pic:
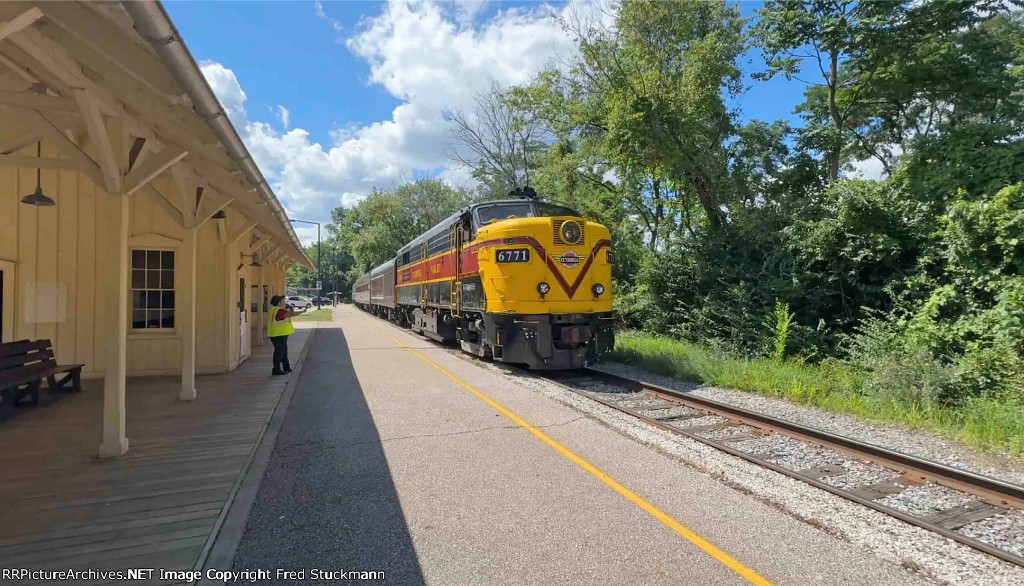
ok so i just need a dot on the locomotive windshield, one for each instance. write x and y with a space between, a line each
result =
487 214
548 210
503 211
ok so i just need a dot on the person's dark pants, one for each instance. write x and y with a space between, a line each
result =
280 353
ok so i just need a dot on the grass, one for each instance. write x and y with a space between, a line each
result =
984 423
324 314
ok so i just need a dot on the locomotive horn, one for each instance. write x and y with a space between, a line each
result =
523 192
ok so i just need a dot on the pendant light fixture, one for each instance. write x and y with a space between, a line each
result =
37 198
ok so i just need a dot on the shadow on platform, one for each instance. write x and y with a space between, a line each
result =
327 500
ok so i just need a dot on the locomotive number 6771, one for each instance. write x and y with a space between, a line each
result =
518 280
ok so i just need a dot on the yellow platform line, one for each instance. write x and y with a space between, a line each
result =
705 545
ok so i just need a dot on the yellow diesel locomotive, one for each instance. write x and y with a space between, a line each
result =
518 280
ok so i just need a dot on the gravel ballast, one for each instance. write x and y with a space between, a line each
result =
933 557
859 474
895 438
1005 531
670 412
925 499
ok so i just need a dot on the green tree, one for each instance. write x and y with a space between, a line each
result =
891 73
387 220
646 96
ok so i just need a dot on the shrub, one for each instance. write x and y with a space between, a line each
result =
779 323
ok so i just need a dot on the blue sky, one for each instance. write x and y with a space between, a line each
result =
364 83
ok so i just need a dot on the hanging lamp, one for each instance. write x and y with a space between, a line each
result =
37 198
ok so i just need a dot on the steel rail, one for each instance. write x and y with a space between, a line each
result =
990 490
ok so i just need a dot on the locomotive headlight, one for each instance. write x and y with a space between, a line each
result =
571 232
598 290
543 288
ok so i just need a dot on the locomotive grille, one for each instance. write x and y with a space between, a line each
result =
556 226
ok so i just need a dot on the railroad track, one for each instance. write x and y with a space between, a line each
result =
726 428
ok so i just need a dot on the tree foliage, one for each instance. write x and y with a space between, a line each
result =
723 224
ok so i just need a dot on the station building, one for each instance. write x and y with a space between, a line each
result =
136 231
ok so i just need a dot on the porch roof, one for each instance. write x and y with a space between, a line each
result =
68 67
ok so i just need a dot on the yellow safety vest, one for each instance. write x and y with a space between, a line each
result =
279 328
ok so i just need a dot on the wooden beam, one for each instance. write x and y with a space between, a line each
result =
223 180
64 145
37 101
30 69
165 205
217 204
98 133
269 255
151 167
263 241
185 185
59 61
222 230
103 37
19 142
40 163
238 235
23 20
92 70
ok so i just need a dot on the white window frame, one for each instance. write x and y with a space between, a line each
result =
131 307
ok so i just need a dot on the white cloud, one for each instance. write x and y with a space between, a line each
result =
335 25
466 11
423 57
286 116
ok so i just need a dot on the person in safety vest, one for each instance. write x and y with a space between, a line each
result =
278 329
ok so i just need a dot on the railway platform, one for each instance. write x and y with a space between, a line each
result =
399 456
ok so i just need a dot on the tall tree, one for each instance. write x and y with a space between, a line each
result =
497 141
650 89
885 73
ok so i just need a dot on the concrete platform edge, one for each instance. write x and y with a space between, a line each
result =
220 548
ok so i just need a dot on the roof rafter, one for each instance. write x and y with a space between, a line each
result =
154 165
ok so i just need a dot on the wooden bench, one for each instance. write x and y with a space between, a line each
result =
25 363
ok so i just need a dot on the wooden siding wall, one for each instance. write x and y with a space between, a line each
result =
69 244
57 244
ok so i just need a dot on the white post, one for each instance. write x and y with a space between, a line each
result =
111 140
259 319
187 315
114 441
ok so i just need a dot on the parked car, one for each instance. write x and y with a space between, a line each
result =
298 302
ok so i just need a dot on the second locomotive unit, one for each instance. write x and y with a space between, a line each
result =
518 280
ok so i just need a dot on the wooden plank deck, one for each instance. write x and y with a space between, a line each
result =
62 507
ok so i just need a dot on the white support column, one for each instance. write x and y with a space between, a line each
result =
187 315
114 441
259 320
116 284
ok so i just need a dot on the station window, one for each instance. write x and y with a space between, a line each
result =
152 289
